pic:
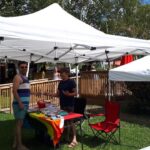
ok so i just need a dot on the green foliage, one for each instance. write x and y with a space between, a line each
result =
120 17
12 7
35 5
21 7
140 102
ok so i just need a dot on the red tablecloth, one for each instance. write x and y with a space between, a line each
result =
72 116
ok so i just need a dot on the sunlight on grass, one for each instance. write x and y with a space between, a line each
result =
133 137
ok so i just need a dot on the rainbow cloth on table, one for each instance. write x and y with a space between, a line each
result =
54 127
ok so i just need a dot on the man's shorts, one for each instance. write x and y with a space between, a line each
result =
19 113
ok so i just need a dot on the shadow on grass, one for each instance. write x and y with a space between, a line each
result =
98 143
141 119
34 144
6 137
6 134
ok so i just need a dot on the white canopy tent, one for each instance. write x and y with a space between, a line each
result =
54 35
138 70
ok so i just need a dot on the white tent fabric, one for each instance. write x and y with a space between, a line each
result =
41 51
54 35
55 25
138 70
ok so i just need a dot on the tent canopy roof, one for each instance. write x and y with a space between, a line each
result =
54 35
138 70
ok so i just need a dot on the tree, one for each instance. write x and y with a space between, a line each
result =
143 22
12 7
35 5
21 7
120 17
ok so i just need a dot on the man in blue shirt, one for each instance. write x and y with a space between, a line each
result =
66 92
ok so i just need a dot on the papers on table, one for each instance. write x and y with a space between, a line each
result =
34 109
50 110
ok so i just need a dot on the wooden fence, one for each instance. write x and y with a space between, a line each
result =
6 97
41 85
92 85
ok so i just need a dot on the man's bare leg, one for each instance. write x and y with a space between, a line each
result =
14 142
18 136
74 134
74 138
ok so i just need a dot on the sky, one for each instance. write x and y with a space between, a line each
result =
146 1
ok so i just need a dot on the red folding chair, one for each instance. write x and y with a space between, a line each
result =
111 123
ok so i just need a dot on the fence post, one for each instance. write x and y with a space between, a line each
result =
11 98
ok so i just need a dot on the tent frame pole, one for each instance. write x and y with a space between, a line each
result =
77 77
108 81
28 68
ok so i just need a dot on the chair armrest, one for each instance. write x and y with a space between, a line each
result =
117 122
90 116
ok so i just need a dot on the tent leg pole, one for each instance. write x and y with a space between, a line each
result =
28 69
109 90
77 80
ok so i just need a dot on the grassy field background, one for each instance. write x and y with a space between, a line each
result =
133 137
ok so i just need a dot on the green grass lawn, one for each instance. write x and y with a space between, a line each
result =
4 102
133 137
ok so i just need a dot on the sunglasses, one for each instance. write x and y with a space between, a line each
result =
23 67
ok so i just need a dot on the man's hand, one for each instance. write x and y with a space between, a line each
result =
49 94
21 105
66 93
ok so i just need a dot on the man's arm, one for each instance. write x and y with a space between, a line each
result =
67 93
50 94
16 83
54 94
